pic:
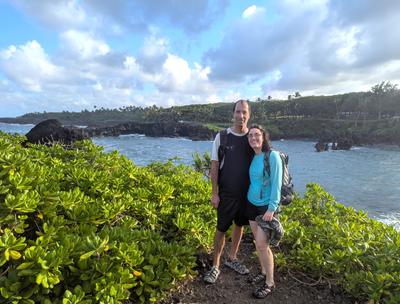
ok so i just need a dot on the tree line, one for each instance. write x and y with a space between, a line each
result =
382 101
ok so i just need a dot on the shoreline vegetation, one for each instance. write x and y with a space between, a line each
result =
80 225
360 118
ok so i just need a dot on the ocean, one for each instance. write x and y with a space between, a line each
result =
365 178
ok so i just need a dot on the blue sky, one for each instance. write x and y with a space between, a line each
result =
70 55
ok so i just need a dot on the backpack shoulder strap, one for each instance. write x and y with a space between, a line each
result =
223 142
223 137
267 165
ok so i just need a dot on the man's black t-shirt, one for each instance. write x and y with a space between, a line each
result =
233 179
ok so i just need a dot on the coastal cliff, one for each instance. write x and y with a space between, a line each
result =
192 131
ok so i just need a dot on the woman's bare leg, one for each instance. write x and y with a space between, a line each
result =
254 229
266 256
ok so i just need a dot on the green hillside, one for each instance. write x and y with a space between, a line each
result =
364 117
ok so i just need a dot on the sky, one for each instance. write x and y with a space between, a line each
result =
71 55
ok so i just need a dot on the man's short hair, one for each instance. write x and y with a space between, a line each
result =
241 101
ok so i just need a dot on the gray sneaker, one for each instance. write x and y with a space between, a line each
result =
212 275
236 266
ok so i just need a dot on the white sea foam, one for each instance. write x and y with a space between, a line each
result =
16 124
132 135
391 219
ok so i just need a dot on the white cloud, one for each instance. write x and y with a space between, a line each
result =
59 14
191 16
177 76
83 45
98 87
153 54
349 12
347 42
88 72
255 44
310 46
176 72
129 63
119 16
317 46
29 66
249 11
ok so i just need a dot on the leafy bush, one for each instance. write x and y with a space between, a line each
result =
326 239
202 163
83 226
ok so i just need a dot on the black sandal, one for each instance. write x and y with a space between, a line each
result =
263 291
256 278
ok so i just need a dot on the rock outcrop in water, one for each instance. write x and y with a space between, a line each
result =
51 131
342 144
321 146
338 144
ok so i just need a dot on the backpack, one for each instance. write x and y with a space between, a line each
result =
223 142
287 185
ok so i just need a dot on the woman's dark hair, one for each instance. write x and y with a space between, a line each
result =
266 145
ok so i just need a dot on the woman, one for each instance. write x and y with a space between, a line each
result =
263 196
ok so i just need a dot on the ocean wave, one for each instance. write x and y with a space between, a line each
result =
391 219
132 135
16 124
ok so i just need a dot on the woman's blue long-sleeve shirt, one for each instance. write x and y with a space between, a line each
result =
265 190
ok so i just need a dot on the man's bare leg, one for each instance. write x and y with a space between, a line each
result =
219 243
232 261
237 233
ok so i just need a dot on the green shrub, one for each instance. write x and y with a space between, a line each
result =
83 226
326 239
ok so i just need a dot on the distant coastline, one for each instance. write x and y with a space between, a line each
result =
193 131
320 118
301 129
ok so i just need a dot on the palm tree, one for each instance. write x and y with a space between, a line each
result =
380 92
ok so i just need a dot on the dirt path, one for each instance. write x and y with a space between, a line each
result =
232 288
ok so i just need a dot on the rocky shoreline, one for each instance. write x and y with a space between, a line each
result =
52 130
343 135
192 131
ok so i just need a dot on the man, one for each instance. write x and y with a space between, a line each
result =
230 182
